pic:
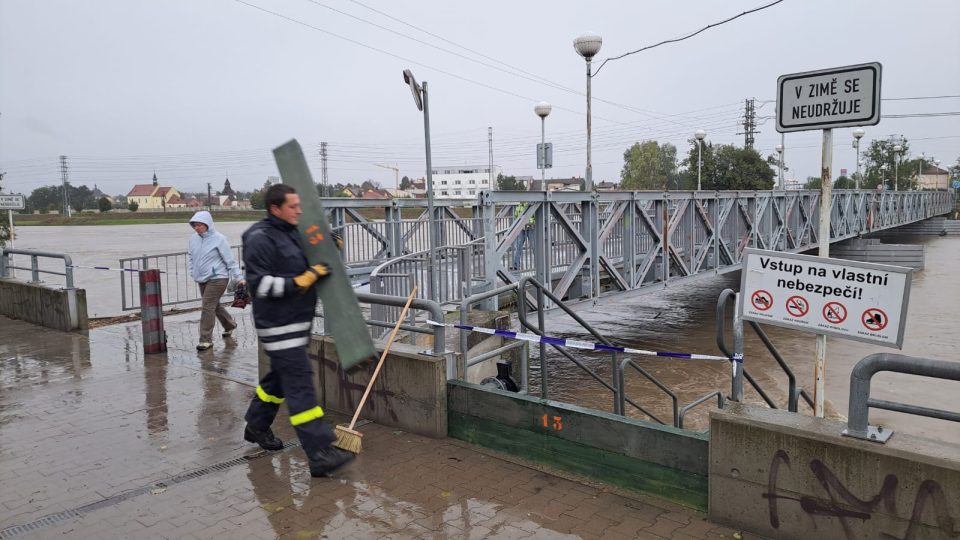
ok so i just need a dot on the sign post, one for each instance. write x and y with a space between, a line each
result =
11 203
825 99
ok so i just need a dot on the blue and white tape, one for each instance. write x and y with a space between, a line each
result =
585 345
135 270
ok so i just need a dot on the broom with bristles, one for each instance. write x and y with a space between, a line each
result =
347 438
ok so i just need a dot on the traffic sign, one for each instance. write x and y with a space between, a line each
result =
829 98
11 202
821 292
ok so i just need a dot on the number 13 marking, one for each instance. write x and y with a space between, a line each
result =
557 423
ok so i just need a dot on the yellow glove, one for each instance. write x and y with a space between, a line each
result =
306 280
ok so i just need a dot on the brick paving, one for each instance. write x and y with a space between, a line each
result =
98 439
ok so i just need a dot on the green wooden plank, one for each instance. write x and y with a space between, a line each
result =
682 487
348 327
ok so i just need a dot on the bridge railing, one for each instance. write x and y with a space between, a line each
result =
861 402
8 265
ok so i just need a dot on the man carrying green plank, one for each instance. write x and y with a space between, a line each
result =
284 300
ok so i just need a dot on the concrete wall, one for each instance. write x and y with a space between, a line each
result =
410 393
933 226
784 475
45 306
663 461
871 250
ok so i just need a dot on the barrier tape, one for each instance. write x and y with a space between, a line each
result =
135 270
586 345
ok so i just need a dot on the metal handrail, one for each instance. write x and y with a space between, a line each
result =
539 330
795 392
673 396
465 363
861 402
716 393
433 308
34 268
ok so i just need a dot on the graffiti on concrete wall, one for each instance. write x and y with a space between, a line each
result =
350 391
841 503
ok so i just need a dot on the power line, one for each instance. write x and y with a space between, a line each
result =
688 36
920 97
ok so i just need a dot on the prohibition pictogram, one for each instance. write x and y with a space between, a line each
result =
797 306
835 312
762 300
874 319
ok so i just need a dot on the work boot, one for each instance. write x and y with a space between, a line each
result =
328 460
266 439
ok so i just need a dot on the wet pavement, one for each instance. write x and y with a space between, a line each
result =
97 441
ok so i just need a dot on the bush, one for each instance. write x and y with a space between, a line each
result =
104 204
133 206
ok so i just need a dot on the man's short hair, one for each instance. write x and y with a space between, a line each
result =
276 195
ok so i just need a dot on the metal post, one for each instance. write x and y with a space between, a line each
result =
151 313
896 172
543 150
434 276
783 150
699 162
857 143
493 185
736 381
588 179
823 241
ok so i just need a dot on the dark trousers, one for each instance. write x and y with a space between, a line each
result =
291 380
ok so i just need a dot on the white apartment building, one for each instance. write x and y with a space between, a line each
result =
462 181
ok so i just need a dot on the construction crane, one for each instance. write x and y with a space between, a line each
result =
396 171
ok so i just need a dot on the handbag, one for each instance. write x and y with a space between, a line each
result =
240 296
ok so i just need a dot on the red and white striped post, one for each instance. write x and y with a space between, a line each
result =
151 313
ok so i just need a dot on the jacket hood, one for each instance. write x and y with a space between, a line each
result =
203 217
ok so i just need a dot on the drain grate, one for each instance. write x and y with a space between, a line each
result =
60 517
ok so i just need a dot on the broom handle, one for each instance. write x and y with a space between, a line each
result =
383 357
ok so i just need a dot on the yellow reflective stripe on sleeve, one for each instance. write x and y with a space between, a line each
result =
306 416
267 397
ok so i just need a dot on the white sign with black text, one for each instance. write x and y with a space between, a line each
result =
849 299
11 202
829 98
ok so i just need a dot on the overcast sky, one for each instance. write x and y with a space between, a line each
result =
201 89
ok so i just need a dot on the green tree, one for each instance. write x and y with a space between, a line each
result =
648 165
104 204
406 183
880 153
509 183
133 206
813 182
844 182
726 166
257 200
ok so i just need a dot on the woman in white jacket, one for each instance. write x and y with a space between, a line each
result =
211 266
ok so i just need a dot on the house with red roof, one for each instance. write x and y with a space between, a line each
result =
154 196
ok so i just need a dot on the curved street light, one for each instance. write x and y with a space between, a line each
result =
857 135
543 110
587 46
700 135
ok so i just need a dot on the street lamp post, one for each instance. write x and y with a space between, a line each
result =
779 149
857 135
420 98
920 169
936 163
897 152
883 172
700 135
543 110
587 46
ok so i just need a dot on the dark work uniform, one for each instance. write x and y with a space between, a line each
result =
283 315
